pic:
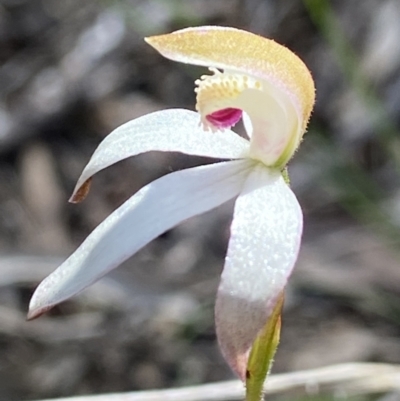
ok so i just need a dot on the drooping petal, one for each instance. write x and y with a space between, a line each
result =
265 239
261 77
173 130
153 210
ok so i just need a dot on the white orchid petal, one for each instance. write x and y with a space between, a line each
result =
265 239
173 130
153 210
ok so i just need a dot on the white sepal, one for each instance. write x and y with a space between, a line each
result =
153 210
172 130
263 248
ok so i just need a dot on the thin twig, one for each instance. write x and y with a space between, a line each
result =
340 380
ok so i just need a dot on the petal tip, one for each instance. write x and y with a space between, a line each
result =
34 313
81 192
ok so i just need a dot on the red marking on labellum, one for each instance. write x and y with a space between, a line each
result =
224 118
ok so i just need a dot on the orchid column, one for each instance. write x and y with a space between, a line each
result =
272 90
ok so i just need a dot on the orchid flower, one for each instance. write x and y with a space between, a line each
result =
272 90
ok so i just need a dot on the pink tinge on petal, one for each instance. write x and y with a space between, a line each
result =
238 322
225 118
263 248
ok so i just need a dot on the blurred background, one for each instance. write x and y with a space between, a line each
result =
70 72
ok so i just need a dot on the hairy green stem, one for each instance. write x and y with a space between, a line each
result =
262 354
